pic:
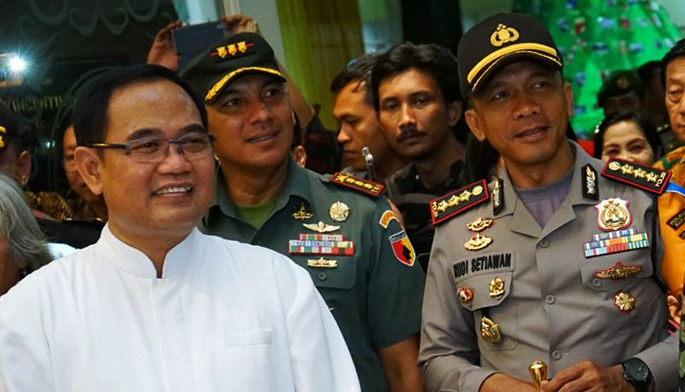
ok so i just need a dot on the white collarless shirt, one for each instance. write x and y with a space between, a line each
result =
225 317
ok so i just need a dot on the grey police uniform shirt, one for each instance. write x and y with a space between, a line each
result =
554 307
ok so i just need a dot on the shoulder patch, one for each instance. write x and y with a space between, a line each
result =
365 186
643 177
452 204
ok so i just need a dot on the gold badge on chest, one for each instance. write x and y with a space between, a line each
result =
625 302
490 331
339 211
478 242
496 288
613 214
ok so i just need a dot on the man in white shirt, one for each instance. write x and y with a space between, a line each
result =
155 305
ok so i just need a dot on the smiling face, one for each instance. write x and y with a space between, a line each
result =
523 112
253 122
675 96
358 126
165 199
625 140
414 116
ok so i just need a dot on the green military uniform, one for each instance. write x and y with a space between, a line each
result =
373 287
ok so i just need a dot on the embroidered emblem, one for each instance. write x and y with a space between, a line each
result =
677 220
590 184
386 218
465 296
498 196
452 204
618 272
322 263
352 182
643 177
624 302
503 35
478 242
231 50
490 331
615 242
613 214
339 211
496 288
321 227
402 248
303 212
479 224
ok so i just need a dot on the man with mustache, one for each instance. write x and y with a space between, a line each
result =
556 261
416 96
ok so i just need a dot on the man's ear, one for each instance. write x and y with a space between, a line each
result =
475 124
24 168
568 95
89 165
454 111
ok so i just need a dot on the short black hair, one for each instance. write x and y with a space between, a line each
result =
678 50
91 106
647 70
358 71
435 60
645 125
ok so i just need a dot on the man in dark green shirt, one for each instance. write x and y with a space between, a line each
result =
339 229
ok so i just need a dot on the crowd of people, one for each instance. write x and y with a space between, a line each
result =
463 241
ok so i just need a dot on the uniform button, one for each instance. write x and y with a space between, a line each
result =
544 243
322 276
596 282
556 355
550 299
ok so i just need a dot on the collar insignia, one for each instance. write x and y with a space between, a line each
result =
452 204
643 177
590 184
498 196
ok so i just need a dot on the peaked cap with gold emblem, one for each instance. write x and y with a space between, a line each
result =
499 41
211 71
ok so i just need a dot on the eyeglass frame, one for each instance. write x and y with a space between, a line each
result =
177 141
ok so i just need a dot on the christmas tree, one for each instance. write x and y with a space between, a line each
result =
596 37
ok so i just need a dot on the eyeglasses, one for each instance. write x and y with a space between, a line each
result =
155 149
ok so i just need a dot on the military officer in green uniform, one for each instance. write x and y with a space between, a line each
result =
556 261
339 228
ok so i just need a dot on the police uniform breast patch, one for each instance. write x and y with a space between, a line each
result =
452 204
369 187
643 177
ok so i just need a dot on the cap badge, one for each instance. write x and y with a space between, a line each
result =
503 35
2 142
622 83
223 51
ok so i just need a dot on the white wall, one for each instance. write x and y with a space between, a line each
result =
265 12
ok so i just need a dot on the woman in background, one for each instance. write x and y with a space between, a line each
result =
630 136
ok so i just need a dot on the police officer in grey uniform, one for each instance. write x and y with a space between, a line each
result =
552 262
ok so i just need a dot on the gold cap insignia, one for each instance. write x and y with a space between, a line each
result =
503 35
339 211
622 83
496 288
624 302
490 331
478 242
320 227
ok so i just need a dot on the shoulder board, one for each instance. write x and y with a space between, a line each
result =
643 177
364 186
452 204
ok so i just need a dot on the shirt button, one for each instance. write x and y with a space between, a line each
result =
550 299
556 355
322 276
544 243
596 282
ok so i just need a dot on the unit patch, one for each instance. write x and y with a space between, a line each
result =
402 248
451 204
643 177
490 262
498 196
677 220
369 187
386 218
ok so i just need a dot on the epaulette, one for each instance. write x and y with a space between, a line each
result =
365 186
452 204
643 177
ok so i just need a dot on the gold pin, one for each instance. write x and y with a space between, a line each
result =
320 227
624 302
496 288
479 224
618 272
339 211
322 263
303 213
478 242
490 331
613 214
